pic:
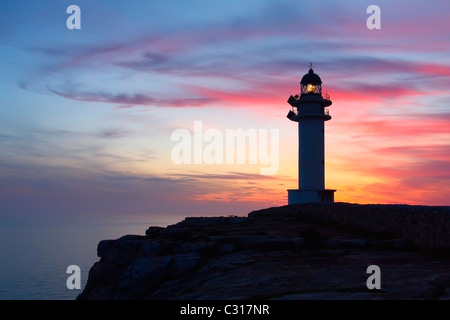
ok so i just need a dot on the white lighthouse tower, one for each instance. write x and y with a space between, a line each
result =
309 110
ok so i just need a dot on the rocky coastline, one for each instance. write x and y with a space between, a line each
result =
296 252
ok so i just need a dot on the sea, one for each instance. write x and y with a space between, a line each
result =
35 253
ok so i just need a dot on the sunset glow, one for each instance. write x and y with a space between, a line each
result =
86 116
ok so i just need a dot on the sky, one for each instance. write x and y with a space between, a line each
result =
87 116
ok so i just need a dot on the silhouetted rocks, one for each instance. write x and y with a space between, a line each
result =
310 251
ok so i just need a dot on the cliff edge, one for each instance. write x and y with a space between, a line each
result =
305 251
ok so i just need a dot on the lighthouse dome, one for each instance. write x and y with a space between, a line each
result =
311 78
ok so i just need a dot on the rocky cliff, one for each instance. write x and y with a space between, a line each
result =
308 251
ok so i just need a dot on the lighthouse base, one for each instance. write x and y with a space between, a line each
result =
305 196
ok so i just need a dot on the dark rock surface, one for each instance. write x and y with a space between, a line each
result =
313 251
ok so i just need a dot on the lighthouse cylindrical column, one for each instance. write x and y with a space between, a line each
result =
311 142
311 155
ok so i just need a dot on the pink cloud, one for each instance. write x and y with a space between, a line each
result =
401 127
414 174
437 152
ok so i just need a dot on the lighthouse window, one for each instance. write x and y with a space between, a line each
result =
310 88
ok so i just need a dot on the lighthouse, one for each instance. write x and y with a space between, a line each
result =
309 109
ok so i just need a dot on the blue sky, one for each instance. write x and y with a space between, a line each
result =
86 115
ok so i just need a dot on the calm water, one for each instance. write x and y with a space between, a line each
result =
35 254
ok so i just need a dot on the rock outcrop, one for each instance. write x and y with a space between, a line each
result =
309 251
